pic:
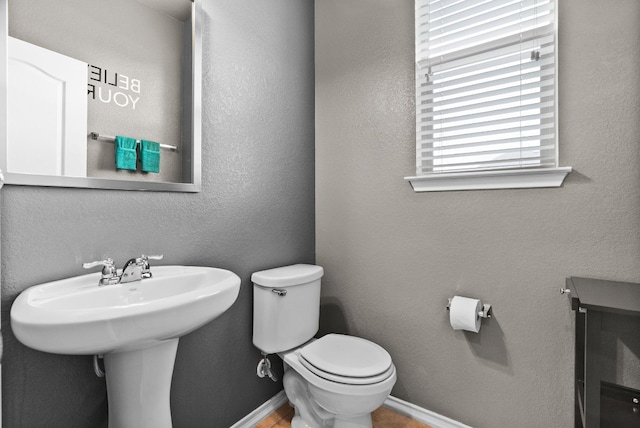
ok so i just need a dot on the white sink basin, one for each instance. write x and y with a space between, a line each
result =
76 316
135 325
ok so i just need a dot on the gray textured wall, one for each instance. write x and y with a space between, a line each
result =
392 257
255 211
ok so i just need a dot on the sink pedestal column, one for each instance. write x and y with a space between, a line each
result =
139 386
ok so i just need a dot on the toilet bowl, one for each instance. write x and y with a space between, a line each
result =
327 386
335 381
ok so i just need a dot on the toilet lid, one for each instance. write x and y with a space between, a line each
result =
338 355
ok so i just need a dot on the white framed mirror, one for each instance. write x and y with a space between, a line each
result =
82 72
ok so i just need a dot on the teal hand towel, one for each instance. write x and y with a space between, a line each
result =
150 156
126 155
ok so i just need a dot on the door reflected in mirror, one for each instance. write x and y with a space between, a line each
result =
83 72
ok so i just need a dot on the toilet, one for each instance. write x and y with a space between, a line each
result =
334 381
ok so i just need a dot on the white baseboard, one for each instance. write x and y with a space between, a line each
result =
268 407
425 416
412 411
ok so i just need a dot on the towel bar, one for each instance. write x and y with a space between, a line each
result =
111 138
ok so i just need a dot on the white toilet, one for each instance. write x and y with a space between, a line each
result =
335 381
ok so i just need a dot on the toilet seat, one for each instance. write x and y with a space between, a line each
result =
347 360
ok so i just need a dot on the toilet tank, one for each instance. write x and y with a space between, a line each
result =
286 306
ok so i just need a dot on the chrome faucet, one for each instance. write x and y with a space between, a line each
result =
134 269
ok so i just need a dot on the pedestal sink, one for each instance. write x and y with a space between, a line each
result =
136 326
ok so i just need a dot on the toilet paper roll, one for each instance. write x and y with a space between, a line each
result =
463 314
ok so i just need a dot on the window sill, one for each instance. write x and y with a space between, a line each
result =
485 180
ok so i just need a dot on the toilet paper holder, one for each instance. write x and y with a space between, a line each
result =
484 313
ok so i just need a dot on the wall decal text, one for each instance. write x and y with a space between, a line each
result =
113 87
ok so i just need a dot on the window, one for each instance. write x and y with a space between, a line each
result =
486 95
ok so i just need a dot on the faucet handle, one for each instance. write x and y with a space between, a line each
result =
108 264
109 271
146 269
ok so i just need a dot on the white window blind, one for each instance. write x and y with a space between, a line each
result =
485 85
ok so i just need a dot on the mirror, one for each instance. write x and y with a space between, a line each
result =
81 72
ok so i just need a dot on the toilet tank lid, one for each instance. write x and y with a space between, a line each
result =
287 276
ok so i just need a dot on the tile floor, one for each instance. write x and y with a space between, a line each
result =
382 418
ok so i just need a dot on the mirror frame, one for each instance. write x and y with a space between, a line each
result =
107 183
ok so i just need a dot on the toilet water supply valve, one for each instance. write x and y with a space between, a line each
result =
264 368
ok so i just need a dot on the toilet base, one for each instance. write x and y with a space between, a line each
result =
309 414
363 421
